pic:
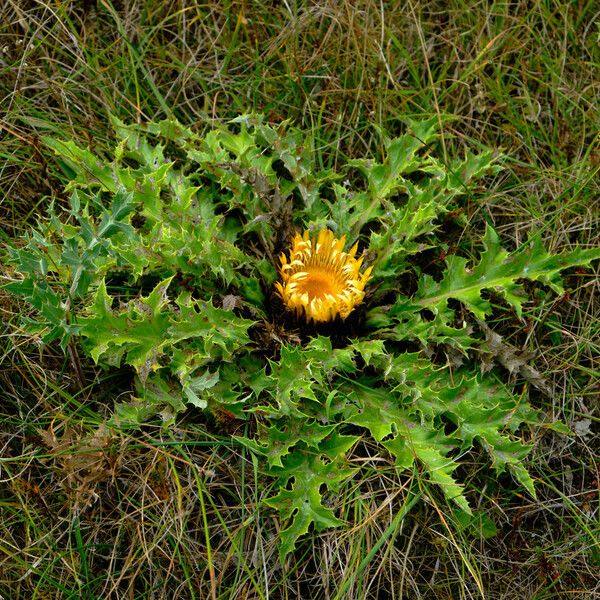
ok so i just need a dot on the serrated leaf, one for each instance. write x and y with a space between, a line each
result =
194 386
87 166
302 373
481 410
156 395
275 442
215 332
430 449
385 178
403 321
138 331
293 379
500 271
369 349
53 319
302 504
408 439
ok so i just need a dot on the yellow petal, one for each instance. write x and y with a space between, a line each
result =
320 281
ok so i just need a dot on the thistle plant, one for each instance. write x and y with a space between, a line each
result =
229 272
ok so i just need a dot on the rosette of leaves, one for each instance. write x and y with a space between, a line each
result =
165 259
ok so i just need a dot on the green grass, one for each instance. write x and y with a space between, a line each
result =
86 513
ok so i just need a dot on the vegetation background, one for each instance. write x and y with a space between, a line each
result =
89 513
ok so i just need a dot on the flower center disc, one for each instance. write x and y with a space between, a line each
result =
318 284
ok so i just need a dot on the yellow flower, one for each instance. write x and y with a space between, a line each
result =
320 280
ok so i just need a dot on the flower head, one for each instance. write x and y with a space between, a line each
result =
320 280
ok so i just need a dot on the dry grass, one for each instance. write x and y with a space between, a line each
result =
85 513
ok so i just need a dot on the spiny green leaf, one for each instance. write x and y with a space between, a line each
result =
302 504
385 178
369 349
193 386
293 379
302 372
157 394
275 443
461 172
408 439
482 410
214 332
403 321
138 331
53 319
430 449
89 168
500 271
